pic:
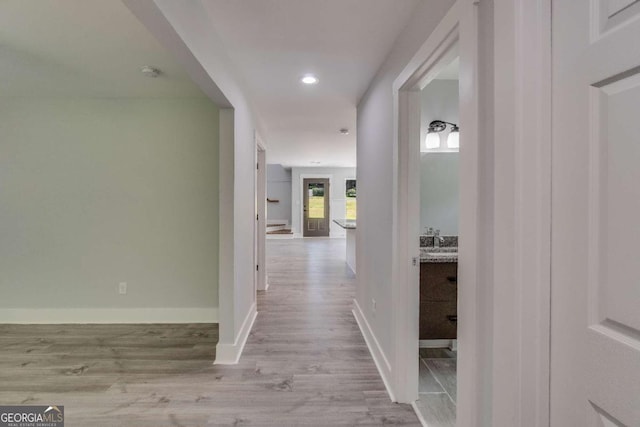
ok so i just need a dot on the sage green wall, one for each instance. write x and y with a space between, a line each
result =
94 192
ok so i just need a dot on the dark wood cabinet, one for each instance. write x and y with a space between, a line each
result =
438 300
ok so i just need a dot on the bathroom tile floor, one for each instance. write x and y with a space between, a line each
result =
437 387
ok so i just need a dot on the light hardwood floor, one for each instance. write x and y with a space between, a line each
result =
305 363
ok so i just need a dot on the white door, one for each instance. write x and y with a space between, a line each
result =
595 324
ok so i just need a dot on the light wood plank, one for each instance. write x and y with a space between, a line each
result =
305 362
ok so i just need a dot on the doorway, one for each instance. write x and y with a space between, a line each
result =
315 211
439 212
456 36
260 230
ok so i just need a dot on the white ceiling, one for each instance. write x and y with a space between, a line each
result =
273 43
82 48
95 48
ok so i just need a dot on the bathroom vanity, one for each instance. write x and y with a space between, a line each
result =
438 292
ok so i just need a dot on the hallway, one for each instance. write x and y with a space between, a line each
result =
305 362
307 340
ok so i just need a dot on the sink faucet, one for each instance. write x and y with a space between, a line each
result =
437 239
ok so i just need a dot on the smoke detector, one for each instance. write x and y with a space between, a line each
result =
148 71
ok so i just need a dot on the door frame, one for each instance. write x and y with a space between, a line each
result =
260 251
444 44
450 39
327 208
504 266
300 191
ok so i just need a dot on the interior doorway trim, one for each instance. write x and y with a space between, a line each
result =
261 279
504 252
456 35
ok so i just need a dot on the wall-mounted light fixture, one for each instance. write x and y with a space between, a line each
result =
432 141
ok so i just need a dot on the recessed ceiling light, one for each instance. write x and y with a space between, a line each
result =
344 131
315 163
309 79
148 71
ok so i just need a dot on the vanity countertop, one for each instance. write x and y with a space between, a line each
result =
438 255
347 224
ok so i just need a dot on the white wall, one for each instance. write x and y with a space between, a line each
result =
100 191
337 195
279 188
439 192
375 177
439 185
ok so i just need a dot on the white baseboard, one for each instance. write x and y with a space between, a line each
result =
419 415
451 344
266 283
108 315
383 365
229 354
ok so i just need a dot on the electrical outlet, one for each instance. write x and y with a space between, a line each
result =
373 305
122 288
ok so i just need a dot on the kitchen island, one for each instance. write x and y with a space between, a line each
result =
350 228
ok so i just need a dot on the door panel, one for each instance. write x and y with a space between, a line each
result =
617 199
609 14
316 220
595 324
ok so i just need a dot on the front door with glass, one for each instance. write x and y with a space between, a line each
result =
316 207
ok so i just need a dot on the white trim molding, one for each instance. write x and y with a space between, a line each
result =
381 361
504 268
522 213
229 354
260 232
278 237
451 344
505 198
108 315
455 35
423 422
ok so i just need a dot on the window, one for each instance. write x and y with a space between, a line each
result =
351 199
316 201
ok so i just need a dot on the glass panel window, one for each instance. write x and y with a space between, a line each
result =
351 199
316 201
